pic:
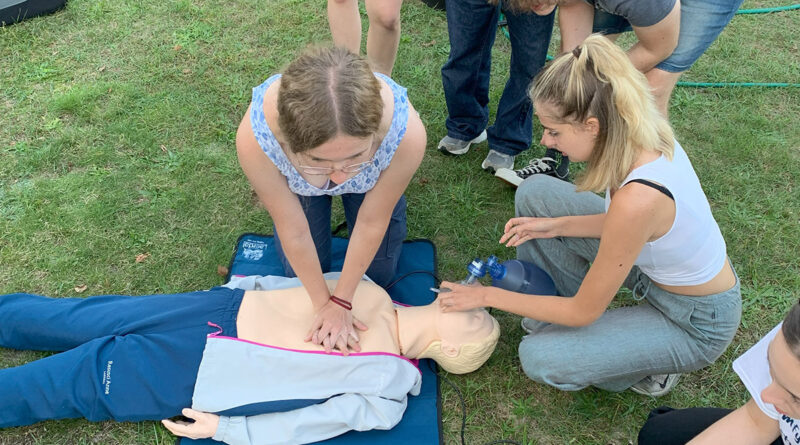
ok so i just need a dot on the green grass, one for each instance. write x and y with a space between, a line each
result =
117 122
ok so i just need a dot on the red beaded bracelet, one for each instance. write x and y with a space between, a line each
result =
343 303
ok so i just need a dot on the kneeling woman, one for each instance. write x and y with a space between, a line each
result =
237 354
329 126
654 234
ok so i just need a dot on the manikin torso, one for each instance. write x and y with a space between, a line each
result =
283 317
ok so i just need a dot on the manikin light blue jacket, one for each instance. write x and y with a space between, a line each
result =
271 395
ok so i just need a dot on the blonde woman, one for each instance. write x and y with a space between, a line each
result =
654 233
329 126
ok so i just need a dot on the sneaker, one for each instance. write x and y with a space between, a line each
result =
455 146
656 385
545 165
530 325
496 160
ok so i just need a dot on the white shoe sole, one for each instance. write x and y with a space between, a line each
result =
478 139
508 175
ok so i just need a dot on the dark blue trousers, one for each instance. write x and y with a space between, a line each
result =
318 213
123 358
471 27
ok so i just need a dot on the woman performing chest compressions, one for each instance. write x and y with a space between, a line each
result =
329 126
654 233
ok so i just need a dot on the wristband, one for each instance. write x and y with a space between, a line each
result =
343 303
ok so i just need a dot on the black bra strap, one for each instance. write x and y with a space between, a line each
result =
652 184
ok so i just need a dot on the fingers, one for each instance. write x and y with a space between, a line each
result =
352 342
326 343
341 345
179 429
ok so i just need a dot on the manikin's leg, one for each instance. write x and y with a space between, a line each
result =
149 374
383 35
345 24
32 322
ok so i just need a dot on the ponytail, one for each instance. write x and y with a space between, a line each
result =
598 80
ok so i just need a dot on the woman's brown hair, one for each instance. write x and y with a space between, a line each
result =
791 329
325 92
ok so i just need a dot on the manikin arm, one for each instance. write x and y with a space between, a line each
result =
336 416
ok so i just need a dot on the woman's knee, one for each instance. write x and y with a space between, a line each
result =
532 194
542 362
385 16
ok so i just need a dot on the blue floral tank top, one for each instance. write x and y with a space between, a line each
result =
360 183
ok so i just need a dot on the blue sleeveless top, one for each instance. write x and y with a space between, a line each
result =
360 183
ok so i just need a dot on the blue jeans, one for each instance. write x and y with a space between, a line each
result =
124 358
471 27
318 213
702 21
663 333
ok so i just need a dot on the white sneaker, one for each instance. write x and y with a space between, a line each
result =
656 385
455 146
496 160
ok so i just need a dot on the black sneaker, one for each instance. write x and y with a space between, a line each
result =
546 166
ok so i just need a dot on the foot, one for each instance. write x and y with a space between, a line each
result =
546 166
656 385
453 146
496 160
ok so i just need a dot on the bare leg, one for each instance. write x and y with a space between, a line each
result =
383 35
345 23
663 82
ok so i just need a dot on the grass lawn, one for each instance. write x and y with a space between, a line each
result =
117 122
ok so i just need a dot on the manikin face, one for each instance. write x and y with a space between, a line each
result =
784 368
458 328
339 156
575 140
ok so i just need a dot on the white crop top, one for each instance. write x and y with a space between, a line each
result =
693 251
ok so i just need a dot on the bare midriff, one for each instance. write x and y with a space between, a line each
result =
283 318
723 281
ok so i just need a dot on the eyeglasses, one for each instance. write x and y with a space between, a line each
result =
353 168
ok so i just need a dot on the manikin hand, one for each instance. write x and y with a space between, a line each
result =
461 297
203 427
519 230
334 327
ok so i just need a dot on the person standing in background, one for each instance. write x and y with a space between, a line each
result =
471 27
383 35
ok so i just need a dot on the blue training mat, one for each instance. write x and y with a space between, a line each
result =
422 421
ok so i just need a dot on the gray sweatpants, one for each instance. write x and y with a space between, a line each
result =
665 333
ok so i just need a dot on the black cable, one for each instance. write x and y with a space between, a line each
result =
464 410
388 286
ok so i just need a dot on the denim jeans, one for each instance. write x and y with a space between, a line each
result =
124 358
318 213
471 27
663 333
702 21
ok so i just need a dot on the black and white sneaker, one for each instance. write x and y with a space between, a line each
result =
546 166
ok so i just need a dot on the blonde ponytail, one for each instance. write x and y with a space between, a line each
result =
598 80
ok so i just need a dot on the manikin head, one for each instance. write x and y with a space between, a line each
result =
460 342
783 356
329 110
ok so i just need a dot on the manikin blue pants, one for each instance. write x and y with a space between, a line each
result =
124 358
